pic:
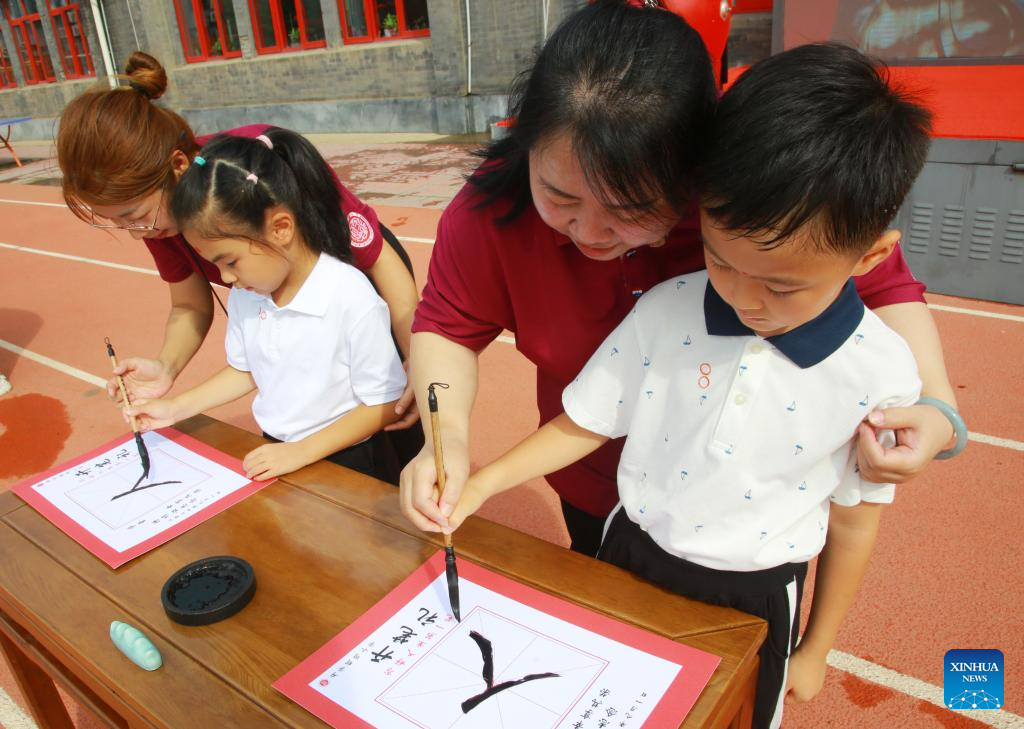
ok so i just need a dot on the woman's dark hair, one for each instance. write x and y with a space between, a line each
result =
221 199
814 135
631 87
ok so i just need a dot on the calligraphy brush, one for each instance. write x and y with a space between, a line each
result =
449 551
143 452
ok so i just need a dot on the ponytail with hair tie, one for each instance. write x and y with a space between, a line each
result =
227 195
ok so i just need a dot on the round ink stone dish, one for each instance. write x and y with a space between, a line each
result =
209 590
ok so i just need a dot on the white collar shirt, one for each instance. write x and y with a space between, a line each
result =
328 351
736 444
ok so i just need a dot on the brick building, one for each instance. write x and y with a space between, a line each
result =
311 65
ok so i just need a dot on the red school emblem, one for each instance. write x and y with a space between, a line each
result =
360 230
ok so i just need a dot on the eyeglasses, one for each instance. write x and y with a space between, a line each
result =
95 220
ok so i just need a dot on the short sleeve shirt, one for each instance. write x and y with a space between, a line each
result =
176 260
736 444
525 277
326 352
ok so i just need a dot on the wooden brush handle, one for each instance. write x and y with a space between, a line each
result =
124 393
435 427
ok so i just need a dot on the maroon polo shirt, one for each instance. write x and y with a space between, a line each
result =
529 279
176 259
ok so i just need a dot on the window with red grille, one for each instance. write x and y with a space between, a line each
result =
208 29
29 44
6 72
363 21
287 25
71 43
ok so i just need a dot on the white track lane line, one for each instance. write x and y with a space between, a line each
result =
918 689
30 202
1015 445
11 715
53 364
80 259
976 312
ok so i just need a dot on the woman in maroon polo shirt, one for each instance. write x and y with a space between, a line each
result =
579 211
121 156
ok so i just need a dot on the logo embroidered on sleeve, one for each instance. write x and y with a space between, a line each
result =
360 230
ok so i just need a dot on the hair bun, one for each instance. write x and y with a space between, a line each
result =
145 74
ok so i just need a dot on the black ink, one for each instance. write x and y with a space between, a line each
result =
488 674
136 488
384 654
407 633
425 617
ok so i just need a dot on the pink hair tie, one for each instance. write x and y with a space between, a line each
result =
266 140
251 177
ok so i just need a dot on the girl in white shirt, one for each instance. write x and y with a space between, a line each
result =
305 328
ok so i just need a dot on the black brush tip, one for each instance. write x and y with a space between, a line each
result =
452 576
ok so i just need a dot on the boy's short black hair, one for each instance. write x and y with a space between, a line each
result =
813 135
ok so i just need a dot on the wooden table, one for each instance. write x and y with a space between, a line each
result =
325 544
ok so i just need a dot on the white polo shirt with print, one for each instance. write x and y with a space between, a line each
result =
325 353
735 443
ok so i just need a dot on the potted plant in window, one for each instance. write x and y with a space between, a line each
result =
389 25
293 36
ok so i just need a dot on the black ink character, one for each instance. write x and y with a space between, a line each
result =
136 488
425 617
488 673
407 633
384 654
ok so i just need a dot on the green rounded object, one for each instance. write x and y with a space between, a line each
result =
139 649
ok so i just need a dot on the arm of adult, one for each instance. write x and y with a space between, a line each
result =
277 459
922 431
187 326
397 287
891 290
852 531
227 385
437 359
559 443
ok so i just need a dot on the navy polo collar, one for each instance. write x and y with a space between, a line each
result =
809 343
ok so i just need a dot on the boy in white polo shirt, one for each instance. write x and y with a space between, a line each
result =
740 389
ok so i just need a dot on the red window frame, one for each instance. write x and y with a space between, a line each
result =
374 32
7 80
280 44
60 20
30 44
205 46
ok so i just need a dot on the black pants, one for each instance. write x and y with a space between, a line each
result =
375 457
584 529
765 594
